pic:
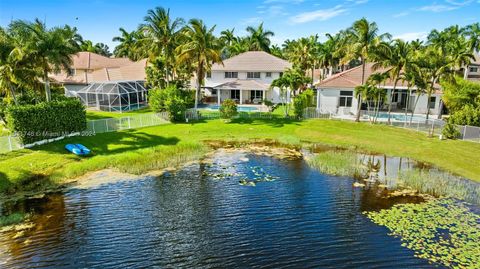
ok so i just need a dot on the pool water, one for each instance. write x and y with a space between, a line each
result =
400 117
201 217
239 108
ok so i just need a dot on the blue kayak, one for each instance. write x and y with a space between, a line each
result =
77 149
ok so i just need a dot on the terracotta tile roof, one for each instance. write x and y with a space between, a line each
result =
352 78
253 61
92 67
243 84
89 60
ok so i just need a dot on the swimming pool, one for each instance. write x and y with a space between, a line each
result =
400 117
239 108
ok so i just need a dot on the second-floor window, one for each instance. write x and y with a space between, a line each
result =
268 74
473 69
253 74
231 74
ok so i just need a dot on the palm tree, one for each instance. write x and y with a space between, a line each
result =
296 80
303 53
103 49
283 84
259 39
378 92
128 47
363 37
51 49
473 32
201 49
394 58
161 36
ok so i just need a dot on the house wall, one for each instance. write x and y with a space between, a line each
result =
328 100
218 77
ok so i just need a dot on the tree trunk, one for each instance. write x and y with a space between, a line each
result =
414 107
12 92
359 101
48 94
465 73
428 103
407 104
197 91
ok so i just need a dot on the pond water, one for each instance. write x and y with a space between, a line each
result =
201 217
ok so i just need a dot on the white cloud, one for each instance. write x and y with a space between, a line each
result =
252 20
358 2
459 2
318 15
412 36
283 1
438 8
401 14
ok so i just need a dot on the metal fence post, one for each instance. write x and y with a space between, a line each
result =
10 146
464 132
93 126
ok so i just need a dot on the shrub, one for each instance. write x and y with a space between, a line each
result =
228 109
176 108
302 101
269 104
450 131
468 115
46 120
172 100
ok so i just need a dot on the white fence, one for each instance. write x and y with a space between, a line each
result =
430 126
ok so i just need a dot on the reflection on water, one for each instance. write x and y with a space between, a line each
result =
191 219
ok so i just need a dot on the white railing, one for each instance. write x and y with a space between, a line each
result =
433 127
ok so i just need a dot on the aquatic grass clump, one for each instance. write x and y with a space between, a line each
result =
337 163
12 219
137 161
443 231
440 184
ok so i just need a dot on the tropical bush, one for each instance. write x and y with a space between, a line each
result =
467 115
450 131
228 109
269 104
173 100
302 101
33 123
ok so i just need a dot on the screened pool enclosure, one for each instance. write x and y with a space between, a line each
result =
114 95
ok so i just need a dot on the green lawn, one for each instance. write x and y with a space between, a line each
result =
97 115
137 151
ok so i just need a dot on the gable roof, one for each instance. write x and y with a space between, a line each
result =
352 78
477 59
90 60
253 61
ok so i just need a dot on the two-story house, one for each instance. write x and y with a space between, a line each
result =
472 72
245 78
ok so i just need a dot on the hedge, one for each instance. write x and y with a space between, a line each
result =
33 123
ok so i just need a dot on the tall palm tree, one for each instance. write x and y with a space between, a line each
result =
259 38
363 37
161 36
51 49
473 33
103 49
394 58
378 92
201 49
283 84
129 43
303 53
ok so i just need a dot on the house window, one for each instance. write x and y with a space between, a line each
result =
209 74
432 102
346 98
253 74
256 96
71 71
268 74
235 94
281 74
395 97
231 74
473 69
214 91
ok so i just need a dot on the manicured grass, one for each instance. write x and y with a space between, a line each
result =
135 150
97 115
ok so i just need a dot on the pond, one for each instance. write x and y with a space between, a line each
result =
203 217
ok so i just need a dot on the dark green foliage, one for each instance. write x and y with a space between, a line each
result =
46 120
302 101
467 115
450 131
228 109
172 100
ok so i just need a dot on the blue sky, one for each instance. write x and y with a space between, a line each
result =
99 20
